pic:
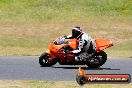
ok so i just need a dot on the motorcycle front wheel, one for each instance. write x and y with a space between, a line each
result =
44 60
97 60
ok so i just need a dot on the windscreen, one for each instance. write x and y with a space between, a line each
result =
60 40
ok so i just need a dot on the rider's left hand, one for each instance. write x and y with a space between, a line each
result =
69 52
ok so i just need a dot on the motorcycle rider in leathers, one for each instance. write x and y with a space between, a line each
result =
86 43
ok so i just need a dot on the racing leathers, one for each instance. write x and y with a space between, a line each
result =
86 44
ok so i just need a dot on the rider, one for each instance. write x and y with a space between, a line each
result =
86 43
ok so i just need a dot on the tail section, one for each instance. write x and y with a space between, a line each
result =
102 44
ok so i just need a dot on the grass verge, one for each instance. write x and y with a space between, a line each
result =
57 84
33 39
27 26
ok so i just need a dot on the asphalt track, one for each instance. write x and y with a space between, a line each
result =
28 68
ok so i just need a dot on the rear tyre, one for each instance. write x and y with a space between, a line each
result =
102 56
97 60
44 60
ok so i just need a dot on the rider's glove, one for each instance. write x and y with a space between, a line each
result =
65 36
69 52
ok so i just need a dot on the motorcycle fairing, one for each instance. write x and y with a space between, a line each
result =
102 44
55 50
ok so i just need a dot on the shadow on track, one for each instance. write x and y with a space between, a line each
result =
86 68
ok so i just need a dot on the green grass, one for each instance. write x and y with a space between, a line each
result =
27 26
28 10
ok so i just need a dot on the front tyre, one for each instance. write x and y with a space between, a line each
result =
44 60
98 59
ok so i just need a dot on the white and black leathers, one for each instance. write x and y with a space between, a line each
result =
84 43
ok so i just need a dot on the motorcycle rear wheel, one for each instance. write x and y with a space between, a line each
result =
44 60
97 60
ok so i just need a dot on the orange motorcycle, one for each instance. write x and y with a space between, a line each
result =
58 53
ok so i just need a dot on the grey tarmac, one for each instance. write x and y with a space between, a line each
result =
28 68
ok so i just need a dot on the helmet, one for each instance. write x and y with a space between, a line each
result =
76 32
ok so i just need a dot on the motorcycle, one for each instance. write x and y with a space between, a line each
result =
59 47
